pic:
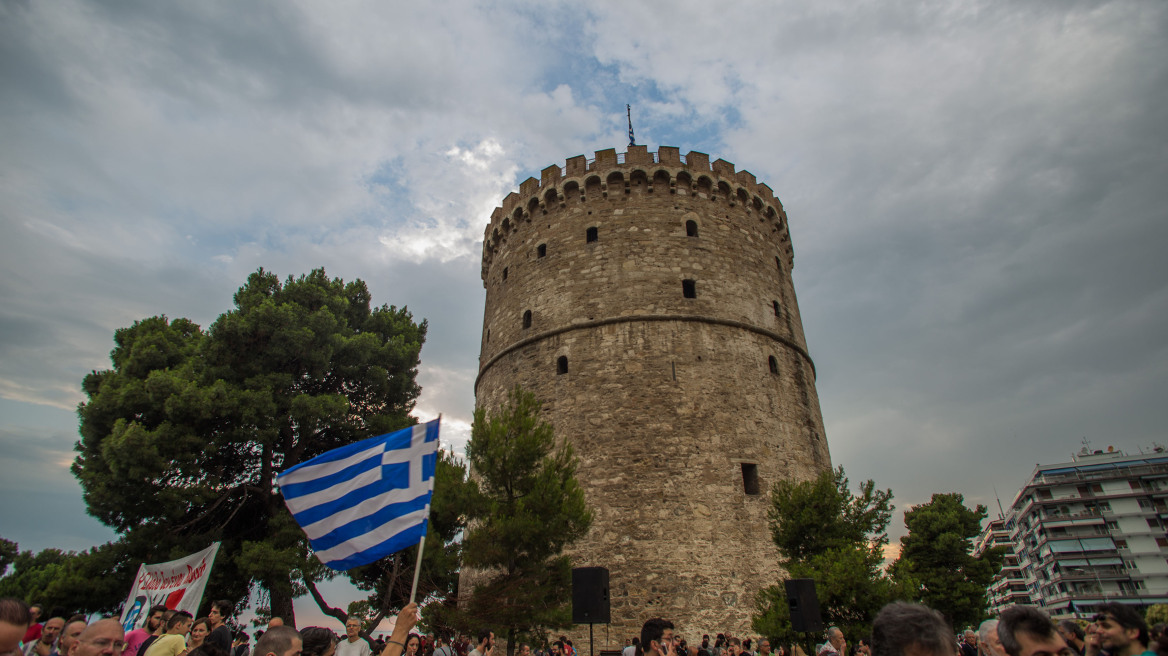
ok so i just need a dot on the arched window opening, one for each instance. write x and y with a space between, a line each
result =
691 228
488 335
527 319
778 263
778 311
562 364
504 273
541 250
593 234
689 289
773 364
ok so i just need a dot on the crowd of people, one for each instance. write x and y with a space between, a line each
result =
900 629
169 632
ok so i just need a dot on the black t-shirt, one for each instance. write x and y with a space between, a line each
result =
221 638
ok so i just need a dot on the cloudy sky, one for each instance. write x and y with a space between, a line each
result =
977 192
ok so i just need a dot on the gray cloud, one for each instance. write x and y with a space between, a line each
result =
975 190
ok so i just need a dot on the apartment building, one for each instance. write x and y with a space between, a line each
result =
1085 532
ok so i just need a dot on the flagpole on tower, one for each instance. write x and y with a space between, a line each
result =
422 542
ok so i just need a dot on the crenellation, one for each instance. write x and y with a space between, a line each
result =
696 161
549 176
609 178
604 159
724 169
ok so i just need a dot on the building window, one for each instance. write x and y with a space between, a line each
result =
593 234
1121 544
778 263
527 319
488 335
750 478
773 364
691 228
562 364
504 273
689 289
541 250
778 310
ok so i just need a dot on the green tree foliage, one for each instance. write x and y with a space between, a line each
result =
182 439
936 561
526 506
1156 614
66 582
826 533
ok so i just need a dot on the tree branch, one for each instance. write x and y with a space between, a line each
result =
322 604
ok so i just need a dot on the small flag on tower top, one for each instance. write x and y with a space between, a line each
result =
364 501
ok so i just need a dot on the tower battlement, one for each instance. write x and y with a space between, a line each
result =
613 176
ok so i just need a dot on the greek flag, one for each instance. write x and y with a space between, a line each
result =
364 501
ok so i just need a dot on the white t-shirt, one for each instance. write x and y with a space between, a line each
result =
359 648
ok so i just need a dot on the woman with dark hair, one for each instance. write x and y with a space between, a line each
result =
199 632
413 645
318 641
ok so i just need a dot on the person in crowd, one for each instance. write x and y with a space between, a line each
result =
903 629
862 648
174 642
442 646
733 646
413 644
1027 631
14 620
200 629
279 641
102 638
657 638
1073 634
317 641
69 635
764 647
35 626
352 645
631 648
1121 630
46 644
987 639
969 643
242 646
135 638
406 619
835 645
220 633
158 633
486 643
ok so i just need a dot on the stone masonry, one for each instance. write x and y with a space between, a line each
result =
647 300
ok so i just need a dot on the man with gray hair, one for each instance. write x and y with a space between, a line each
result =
903 629
988 643
835 645
1074 635
1027 631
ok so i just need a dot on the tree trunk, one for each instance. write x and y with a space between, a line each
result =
280 597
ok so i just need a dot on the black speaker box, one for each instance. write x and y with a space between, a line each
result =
804 606
590 595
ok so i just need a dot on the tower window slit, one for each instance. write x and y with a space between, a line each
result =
689 289
541 250
691 228
527 319
562 364
773 364
750 478
593 234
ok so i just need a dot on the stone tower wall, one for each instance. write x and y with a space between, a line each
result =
668 400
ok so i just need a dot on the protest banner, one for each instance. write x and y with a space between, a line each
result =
177 584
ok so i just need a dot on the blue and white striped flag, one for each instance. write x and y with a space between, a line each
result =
364 501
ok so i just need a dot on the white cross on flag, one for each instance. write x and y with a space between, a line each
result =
364 501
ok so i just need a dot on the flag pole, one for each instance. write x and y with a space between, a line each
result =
422 542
